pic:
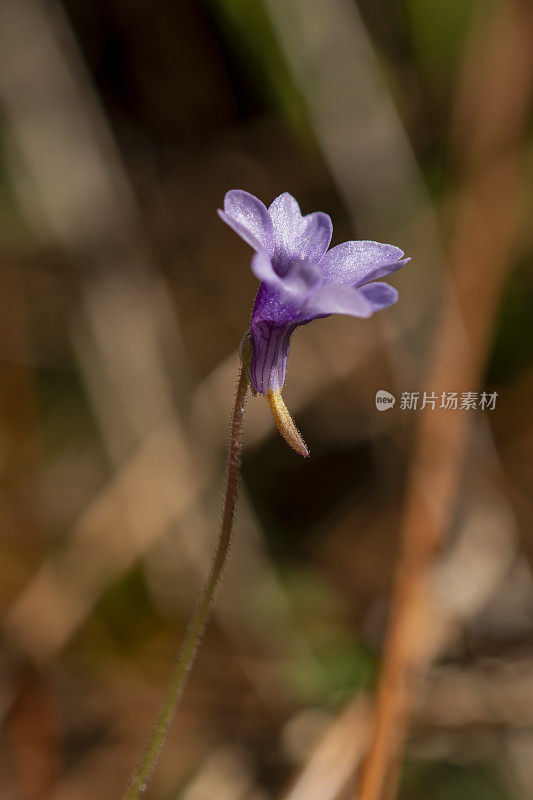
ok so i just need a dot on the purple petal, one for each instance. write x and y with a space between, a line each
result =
334 299
297 238
302 278
316 236
285 214
355 263
249 218
295 287
379 295
264 271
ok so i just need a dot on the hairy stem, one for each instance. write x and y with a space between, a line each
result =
141 777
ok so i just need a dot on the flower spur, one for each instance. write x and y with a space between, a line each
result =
301 280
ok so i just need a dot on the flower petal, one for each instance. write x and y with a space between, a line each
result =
379 295
332 299
249 218
302 278
316 236
286 217
264 271
356 263
297 238
295 287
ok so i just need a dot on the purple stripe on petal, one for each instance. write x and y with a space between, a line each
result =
270 350
356 263
249 218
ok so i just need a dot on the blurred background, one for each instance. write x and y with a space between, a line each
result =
123 301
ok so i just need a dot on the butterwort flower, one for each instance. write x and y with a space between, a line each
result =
301 280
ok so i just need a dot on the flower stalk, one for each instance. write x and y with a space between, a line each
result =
141 777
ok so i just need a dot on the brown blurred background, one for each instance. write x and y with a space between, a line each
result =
123 302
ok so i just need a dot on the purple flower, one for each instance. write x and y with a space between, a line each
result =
301 280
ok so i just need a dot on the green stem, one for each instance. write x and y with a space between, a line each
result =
141 777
